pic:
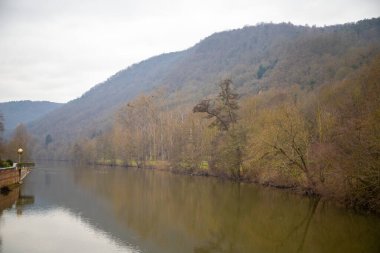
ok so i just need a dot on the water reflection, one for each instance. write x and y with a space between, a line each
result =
44 224
14 198
8 199
185 214
132 210
56 230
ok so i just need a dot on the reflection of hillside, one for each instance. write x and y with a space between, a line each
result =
183 214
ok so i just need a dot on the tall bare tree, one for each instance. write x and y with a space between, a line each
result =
228 154
222 108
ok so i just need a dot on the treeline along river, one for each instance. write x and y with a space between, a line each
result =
62 208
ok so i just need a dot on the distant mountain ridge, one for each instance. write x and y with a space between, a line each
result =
255 58
26 111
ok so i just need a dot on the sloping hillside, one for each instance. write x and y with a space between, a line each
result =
93 110
17 112
255 58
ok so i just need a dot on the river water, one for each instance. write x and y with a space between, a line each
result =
61 208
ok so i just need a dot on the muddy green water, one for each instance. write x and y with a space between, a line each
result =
60 208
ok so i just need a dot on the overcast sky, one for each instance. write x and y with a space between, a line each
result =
56 50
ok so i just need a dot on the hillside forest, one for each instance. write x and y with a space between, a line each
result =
325 141
277 104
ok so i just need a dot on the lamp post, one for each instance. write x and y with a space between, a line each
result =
19 152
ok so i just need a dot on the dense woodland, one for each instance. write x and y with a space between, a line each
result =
282 105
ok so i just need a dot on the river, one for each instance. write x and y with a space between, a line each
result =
62 208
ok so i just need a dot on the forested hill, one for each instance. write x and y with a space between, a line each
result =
255 58
17 112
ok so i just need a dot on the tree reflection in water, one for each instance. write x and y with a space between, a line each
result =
152 211
177 213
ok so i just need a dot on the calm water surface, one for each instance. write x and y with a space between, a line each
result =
60 208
